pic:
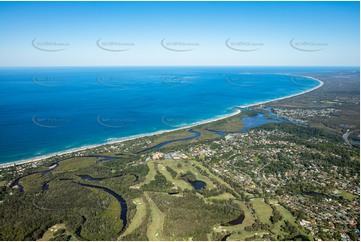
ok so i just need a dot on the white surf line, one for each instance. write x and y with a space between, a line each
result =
120 140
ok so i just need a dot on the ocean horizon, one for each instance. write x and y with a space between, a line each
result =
47 110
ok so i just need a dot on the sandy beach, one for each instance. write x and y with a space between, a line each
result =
124 139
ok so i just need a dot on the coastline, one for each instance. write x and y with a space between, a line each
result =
124 139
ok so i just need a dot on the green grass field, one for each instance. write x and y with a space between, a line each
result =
137 220
185 166
286 215
223 196
33 182
176 182
49 234
210 174
188 166
263 211
151 174
155 228
248 220
74 164
151 212
347 195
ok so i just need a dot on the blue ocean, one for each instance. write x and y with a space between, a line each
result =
53 109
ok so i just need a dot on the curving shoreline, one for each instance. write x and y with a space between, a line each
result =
119 140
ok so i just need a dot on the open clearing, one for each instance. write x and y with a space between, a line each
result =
346 195
155 228
49 234
263 211
176 182
151 174
138 217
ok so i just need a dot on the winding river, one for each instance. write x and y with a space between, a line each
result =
16 182
157 146
122 203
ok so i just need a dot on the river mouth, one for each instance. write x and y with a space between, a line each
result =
259 119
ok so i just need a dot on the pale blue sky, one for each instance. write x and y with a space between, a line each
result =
330 28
